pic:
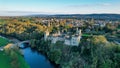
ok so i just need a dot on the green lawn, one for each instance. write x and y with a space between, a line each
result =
2 21
3 41
117 34
118 27
23 64
4 61
86 35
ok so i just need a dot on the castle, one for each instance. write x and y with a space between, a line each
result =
72 40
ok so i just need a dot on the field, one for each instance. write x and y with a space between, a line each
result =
4 61
86 35
22 62
3 41
2 22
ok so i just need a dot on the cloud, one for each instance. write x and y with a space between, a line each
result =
19 12
105 4
90 5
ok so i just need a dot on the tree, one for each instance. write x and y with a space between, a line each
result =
98 39
55 55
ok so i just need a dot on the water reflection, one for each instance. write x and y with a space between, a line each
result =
35 59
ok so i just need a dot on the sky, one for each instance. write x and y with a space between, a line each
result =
28 7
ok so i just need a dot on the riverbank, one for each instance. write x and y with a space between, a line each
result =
16 59
46 56
3 41
33 54
4 60
35 59
10 57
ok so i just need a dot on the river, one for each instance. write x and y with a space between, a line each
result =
36 59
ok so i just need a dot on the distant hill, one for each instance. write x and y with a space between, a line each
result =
83 16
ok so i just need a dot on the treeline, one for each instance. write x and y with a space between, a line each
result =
22 30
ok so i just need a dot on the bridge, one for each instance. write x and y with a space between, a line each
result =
20 44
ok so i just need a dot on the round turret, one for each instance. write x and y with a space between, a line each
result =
46 34
80 32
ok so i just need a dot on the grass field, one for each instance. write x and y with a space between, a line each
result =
4 60
2 21
86 35
22 62
3 41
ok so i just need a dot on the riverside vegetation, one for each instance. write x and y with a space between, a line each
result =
11 57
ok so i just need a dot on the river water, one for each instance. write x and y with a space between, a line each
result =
35 59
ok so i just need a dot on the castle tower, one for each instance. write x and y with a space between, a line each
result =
46 34
80 32
76 30
59 33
